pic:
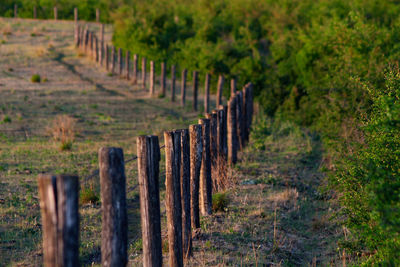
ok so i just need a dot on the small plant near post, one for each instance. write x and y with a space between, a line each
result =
63 130
36 78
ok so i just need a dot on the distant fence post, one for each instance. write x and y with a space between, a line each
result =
15 11
97 15
221 158
114 230
213 147
96 49
127 63
239 119
183 87
205 173
55 13
220 87
207 93
60 219
135 69
107 57
76 35
173 196
91 44
173 78
85 39
34 12
120 61
233 87
185 191
144 72
195 89
163 78
76 15
148 151
196 152
225 130
152 78
232 131
112 59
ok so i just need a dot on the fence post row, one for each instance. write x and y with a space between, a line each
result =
60 219
148 152
173 202
114 230
205 172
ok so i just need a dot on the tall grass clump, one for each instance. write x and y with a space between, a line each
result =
63 130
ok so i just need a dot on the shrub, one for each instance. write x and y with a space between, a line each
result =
35 78
63 130
6 119
88 196
220 202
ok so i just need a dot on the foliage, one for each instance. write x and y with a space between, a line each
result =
88 196
220 202
35 78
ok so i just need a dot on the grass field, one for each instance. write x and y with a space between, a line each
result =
274 214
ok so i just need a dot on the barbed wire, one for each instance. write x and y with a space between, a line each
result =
97 171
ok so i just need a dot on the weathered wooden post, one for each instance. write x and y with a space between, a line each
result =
97 15
148 151
15 11
135 69
225 130
196 154
233 87
127 63
101 55
221 158
60 219
195 89
220 88
144 72
232 131
76 15
91 44
251 105
185 191
213 147
107 57
34 12
96 48
207 93
239 119
205 173
163 79
76 35
152 78
120 61
55 13
114 228
173 78
183 87
112 59
173 196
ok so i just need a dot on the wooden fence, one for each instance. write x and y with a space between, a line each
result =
196 160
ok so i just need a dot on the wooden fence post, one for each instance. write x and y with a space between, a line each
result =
232 131
120 61
173 196
233 87
239 119
91 44
60 219
163 82
97 15
112 59
55 13
76 35
127 63
225 130
196 154
185 191
101 55
195 89
107 57
135 69
173 78
114 228
34 12
148 151
15 11
221 158
213 147
220 88
205 173
76 15
86 39
152 78
144 72
251 105
183 87
96 48
207 94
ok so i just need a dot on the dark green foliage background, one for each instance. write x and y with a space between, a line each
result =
330 65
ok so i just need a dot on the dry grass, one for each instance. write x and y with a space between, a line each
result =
63 131
285 199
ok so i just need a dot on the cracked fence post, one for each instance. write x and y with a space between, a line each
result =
60 219
183 87
196 152
173 202
205 173
148 151
185 192
114 228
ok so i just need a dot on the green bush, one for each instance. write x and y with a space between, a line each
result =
88 196
35 78
220 202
